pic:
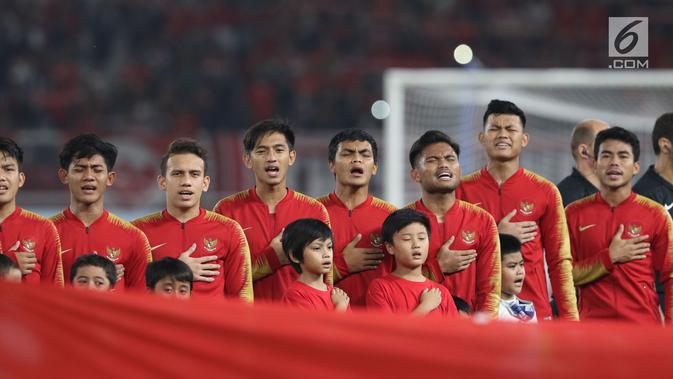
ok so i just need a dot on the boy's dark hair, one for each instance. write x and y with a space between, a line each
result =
399 220
504 107
619 134
429 138
6 265
262 128
95 260
509 244
9 148
86 146
299 234
663 128
168 268
184 146
351 135
462 305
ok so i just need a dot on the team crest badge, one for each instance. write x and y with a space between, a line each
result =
526 207
467 236
113 253
376 240
633 230
210 244
28 245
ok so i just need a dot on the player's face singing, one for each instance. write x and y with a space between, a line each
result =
87 179
353 163
410 246
615 166
503 137
270 159
185 181
318 257
10 179
437 169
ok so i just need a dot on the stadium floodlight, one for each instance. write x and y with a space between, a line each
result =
380 109
454 100
463 54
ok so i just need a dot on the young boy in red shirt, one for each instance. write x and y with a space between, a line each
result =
406 234
170 277
308 245
93 272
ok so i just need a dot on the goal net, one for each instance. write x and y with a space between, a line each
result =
554 100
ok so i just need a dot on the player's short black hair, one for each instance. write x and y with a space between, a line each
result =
168 268
663 128
262 128
351 135
299 234
619 134
509 244
86 146
399 220
95 260
9 148
504 107
462 305
184 146
6 265
428 138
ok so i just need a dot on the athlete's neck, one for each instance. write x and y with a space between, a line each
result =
351 196
87 213
501 171
439 203
413 274
585 168
616 196
7 209
313 280
664 167
506 296
271 195
184 215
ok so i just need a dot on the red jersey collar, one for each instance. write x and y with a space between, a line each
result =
253 195
421 206
629 199
487 175
13 215
71 216
333 196
169 217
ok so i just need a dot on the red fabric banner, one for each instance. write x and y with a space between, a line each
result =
65 333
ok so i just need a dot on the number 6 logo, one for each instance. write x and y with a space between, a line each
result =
624 34
627 37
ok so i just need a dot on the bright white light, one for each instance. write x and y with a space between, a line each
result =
462 54
380 109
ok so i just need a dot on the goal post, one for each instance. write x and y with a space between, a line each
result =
554 100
